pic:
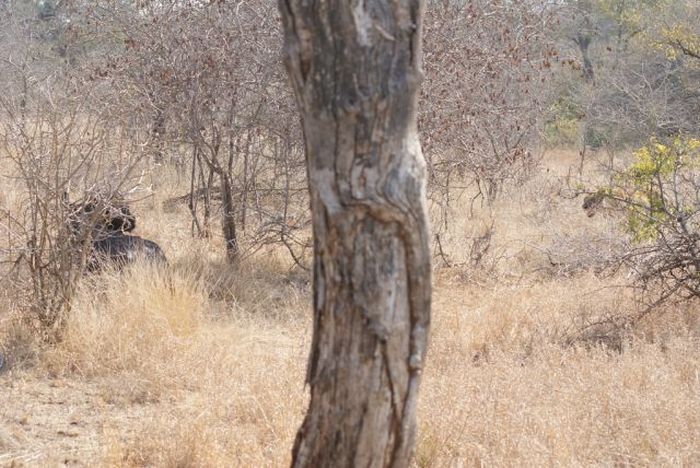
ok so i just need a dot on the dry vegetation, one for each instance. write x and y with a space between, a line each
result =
549 345
203 365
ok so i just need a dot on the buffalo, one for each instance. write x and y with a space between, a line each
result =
101 226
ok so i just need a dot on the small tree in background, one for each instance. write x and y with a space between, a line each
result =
658 198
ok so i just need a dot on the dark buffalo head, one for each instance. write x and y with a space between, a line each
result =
101 224
99 215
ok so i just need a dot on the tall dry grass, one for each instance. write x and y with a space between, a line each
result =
204 365
502 389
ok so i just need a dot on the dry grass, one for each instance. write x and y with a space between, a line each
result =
500 389
564 407
204 365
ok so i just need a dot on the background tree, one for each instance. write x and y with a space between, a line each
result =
633 80
356 71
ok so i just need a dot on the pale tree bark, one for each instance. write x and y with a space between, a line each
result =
355 67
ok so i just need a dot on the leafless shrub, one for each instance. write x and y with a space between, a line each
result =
50 142
484 63
200 86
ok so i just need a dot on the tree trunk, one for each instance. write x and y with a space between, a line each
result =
583 41
356 69
228 218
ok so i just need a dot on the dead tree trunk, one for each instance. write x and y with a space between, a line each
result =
356 69
583 41
228 220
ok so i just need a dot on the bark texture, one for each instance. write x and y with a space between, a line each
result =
355 67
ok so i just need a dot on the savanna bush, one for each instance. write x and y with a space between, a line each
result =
658 196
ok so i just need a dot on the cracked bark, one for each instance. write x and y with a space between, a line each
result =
355 68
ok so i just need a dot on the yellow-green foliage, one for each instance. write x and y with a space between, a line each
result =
651 179
671 29
679 39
